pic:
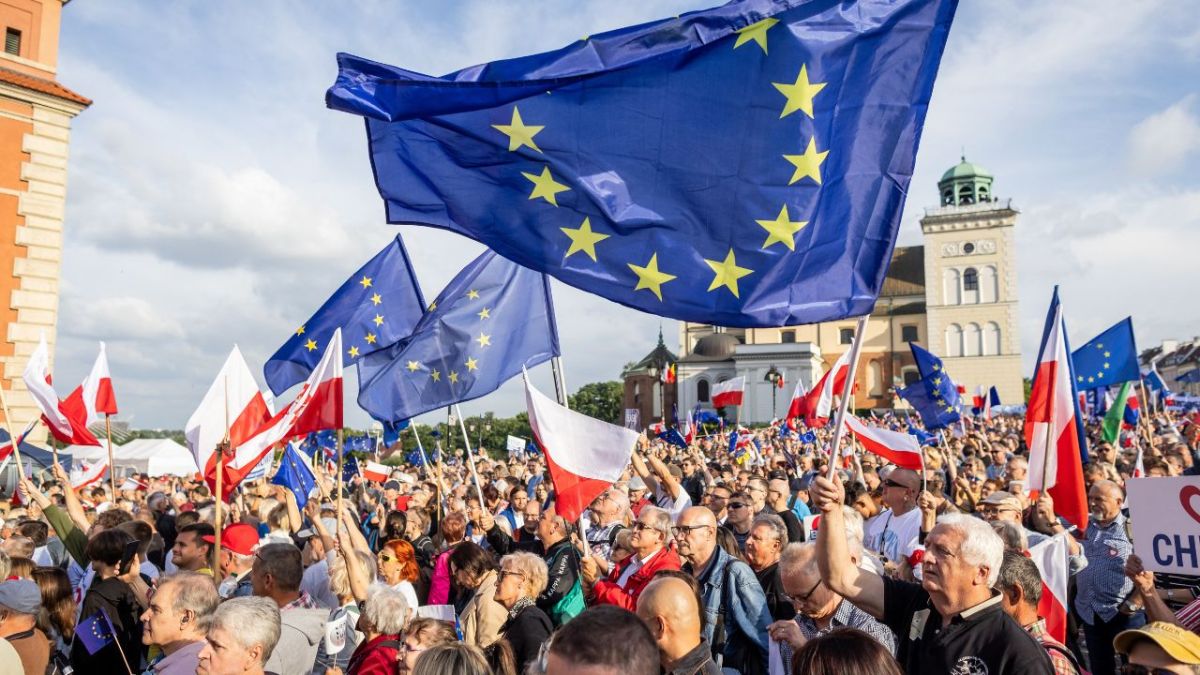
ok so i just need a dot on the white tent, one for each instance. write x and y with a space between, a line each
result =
153 456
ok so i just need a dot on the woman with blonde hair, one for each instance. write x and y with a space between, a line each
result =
422 634
523 577
457 658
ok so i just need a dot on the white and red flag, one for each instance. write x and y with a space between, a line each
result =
901 449
1054 426
88 474
98 395
816 405
67 422
6 448
728 392
585 455
794 408
1051 558
374 471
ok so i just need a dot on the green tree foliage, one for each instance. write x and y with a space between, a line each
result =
601 400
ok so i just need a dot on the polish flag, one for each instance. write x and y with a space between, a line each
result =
66 420
98 395
901 449
317 407
585 456
233 407
794 408
818 402
89 474
1050 556
728 392
1053 425
374 471
7 448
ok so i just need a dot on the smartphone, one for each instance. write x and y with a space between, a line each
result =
131 550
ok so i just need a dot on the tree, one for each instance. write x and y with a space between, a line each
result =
601 400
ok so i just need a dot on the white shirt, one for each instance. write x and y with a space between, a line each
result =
634 566
410 594
315 582
889 534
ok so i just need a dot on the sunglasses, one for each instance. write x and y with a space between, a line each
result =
736 505
1137 669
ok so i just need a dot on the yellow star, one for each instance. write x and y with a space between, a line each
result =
370 338
518 132
756 32
484 313
937 381
378 319
937 366
300 330
808 164
376 299
353 352
545 186
413 365
1106 366
311 345
453 377
1107 354
650 277
1099 345
1079 377
1100 374
1091 379
365 281
472 294
484 340
472 364
782 230
583 239
799 95
727 273
433 305
437 377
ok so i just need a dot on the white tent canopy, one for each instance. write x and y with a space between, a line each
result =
153 456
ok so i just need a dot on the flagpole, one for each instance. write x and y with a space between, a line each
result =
338 478
9 428
441 484
112 469
117 640
560 389
470 455
1146 402
220 466
839 426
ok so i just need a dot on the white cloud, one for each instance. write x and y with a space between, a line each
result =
1162 142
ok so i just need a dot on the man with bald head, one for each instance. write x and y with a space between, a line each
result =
730 592
1103 585
668 608
778 492
892 530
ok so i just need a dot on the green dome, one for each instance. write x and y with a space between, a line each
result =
965 169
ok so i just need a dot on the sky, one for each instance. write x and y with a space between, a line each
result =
213 199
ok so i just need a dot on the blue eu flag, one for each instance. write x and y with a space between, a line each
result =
744 165
95 632
295 474
1108 359
491 320
391 432
935 396
377 306
349 468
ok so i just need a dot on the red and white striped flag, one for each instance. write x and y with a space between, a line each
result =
97 390
818 402
728 392
1052 560
88 474
374 471
903 450
794 408
67 423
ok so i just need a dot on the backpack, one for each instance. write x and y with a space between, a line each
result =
573 603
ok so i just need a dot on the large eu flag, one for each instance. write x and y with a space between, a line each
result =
491 320
1108 359
935 396
376 307
744 165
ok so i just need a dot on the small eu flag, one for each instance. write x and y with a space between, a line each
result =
935 396
295 474
490 321
95 632
349 468
745 165
377 306
1108 359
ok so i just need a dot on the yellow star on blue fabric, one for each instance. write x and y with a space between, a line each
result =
353 352
472 364
756 32
726 273
472 294
583 239
413 365
518 132
437 377
453 377
484 340
300 330
799 94
782 230
545 186
365 281
370 338
378 319
484 313
311 345
649 276
807 165
376 299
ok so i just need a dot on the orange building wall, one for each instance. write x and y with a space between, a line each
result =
11 157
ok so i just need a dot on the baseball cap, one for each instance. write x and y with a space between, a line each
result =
239 538
1179 643
1004 500
21 595
392 485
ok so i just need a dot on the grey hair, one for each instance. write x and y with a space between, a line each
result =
775 523
532 566
193 591
981 546
385 610
660 520
799 558
5 565
339 580
1012 534
621 499
250 622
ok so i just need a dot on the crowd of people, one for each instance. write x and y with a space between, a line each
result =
697 561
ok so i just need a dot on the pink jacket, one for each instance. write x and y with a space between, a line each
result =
439 584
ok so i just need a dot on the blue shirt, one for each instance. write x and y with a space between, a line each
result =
1102 584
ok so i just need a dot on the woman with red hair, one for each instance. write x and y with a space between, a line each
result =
398 568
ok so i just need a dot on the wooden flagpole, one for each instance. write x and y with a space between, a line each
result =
13 439
112 469
839 426
220 466
470 455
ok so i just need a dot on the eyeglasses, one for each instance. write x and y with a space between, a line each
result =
508 573
806 596
680 530
1138 669
639 526
387 558
736 505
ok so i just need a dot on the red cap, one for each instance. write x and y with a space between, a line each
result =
239 538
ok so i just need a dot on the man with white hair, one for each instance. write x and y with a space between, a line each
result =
607 516
952 622
241 635
176 620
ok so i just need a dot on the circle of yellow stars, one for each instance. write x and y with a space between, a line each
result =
483 339
371 338
1091 379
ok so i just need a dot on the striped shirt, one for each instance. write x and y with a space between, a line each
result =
847 615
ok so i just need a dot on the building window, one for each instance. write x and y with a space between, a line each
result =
953 288
991 339
988 286
911 376
787 337
702 391
875 379
12 41
972 340
908 333
970 279
954 345
846 336
968 248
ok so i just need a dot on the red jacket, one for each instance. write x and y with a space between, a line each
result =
607 592
376 657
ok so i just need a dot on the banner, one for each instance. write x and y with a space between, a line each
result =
1164 516
516 446
633 419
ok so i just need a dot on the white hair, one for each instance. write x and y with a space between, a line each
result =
981 546
249 621
386 610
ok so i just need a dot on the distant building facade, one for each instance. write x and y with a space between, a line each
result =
1173 359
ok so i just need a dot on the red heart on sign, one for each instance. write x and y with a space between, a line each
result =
1185 498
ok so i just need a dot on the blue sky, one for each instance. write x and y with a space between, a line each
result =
213 198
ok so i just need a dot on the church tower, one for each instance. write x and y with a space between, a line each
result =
971 283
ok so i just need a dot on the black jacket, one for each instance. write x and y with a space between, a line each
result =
117 600
525 633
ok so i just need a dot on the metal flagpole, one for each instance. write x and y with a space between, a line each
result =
470 455
220 468
560 389
112 469
839 427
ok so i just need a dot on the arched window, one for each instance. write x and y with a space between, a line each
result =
875 379
970 282
954 336
991 339
948 197
953 291
637 394
971 340
702 391
911 375
966 195
988 285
